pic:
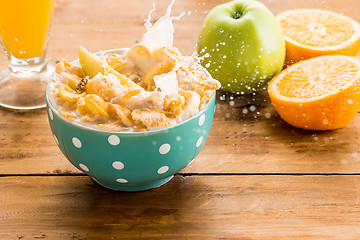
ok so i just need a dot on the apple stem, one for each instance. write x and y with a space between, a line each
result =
237 15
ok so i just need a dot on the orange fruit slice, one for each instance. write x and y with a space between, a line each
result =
321 93
312 32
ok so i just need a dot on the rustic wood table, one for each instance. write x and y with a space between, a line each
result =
256 178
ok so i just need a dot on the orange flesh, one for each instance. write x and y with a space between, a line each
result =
317 29
317 78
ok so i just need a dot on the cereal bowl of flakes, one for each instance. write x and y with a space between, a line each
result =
131 118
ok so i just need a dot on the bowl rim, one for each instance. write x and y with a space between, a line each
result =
84 127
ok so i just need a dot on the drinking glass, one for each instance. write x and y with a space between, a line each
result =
24 32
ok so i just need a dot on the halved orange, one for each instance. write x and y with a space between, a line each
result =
313 32
321 93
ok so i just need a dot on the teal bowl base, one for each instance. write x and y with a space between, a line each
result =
134 188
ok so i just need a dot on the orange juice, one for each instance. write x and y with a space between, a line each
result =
24 26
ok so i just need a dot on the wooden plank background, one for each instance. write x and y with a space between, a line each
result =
256 178
207 207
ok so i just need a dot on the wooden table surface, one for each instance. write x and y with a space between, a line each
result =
256 178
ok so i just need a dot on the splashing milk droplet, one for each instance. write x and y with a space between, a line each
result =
161 34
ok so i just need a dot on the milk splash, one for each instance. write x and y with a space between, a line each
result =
161 34
167 82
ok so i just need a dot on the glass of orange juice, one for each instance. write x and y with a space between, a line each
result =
24 32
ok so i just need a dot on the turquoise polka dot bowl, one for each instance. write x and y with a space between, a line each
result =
131 161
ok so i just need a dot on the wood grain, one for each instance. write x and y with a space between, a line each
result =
196 207
256 178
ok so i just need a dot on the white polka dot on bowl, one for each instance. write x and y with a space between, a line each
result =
121 180
114 140
165 148
77 143
201 120
199 141
118 165
51 115
84 167
163 170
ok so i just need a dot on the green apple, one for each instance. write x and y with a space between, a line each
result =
242 44
90 63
